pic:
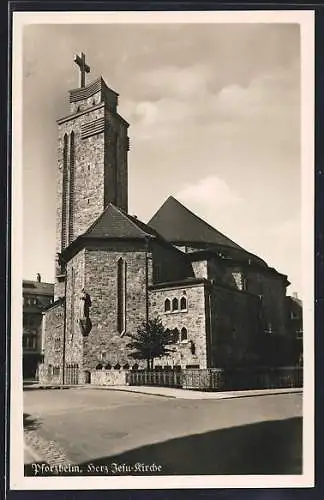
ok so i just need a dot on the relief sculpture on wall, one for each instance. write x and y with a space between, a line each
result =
84 313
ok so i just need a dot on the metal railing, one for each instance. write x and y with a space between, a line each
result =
162 378
215 379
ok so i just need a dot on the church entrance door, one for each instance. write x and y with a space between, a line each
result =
87 377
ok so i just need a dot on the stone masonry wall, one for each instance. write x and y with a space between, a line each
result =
234 326
108 377
261 282
200 268
53 344
100 168
88 174
104 341
272 292
116 170
193 319
75 283
217 270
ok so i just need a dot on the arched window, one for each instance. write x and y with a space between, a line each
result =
117 366
99 366
121 296
175 304
167 305
183 303
184 334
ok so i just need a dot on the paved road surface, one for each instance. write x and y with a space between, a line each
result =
255 435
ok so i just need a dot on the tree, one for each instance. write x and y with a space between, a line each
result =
151 341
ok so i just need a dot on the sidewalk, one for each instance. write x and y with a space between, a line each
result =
172 392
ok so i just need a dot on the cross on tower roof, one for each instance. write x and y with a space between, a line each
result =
84 68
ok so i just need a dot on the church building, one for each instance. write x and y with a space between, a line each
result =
114 272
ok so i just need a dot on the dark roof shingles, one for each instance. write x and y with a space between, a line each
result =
178 224
116 224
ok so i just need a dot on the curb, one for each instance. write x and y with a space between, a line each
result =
184 394
111 388
191 394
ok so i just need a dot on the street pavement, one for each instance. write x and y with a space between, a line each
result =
99 428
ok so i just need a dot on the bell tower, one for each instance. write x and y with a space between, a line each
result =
92 171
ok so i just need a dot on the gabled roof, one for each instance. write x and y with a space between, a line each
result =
114 223
177 224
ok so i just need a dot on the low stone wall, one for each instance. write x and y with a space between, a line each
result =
263 378
218 379
42 374
49 378
209 379
108 377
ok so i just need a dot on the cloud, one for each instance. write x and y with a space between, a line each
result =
180 102
279 243
220 205
210 192
182 82
268 97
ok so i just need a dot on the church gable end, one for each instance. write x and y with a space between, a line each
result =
116 283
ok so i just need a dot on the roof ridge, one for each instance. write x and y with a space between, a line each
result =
130 218
96 220
125 216
202 220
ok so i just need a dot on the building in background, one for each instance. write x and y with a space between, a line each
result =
36 297
295 324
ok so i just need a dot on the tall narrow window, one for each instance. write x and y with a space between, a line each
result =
64 192
73 298
71 187
115 145
184 334
121 296
183 303
167 305
175 304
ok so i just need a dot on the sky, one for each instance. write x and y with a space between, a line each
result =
214 113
